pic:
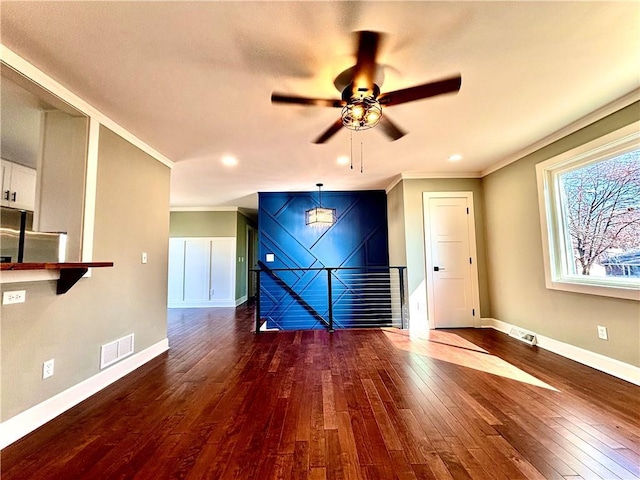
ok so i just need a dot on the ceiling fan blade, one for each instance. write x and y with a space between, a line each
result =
391 129
319 102
365 68
432 89
330 132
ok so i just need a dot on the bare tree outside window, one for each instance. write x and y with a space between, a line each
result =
601 206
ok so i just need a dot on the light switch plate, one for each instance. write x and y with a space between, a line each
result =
144 257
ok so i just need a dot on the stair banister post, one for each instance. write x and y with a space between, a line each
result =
402 299
329 299
257 272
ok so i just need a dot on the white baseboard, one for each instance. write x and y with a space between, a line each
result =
25 422
241 300
616 368
211 304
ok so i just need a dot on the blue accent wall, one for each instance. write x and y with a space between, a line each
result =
358 239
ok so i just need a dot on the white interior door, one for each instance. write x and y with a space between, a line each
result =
452 296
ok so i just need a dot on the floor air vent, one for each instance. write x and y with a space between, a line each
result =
114 351
524 336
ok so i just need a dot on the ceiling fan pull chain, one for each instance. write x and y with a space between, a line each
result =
361 159
351 136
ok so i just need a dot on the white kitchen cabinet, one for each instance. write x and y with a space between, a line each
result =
18 186
202 272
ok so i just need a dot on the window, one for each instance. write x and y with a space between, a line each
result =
590 215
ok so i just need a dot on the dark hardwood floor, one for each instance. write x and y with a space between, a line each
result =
224 403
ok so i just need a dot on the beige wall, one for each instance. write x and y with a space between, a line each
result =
414 234
395 216
203 224
516 271
132 208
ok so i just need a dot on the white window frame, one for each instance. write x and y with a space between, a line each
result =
554 238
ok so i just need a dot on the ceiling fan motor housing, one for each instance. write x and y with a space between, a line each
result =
350 92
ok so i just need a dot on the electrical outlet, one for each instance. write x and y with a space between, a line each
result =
602 333
144 257
47 369
17 296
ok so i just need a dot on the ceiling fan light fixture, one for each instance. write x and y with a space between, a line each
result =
361 113
357 112
373 117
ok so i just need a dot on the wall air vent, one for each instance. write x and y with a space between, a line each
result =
524 336
116 350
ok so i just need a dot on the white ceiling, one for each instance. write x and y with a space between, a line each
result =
194 80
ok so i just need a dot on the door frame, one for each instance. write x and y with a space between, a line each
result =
428 274
251 249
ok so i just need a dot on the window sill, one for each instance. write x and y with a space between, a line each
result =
630 293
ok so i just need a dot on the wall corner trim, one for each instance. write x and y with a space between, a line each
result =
241 300
397 179
611 366
26 422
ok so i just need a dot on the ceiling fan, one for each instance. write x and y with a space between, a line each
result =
361 101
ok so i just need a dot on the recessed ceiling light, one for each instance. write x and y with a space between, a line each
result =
343 160
229 161
455 157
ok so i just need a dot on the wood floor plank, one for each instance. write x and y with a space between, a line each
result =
318 442
224 403
385 424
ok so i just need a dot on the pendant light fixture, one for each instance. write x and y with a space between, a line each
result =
320 216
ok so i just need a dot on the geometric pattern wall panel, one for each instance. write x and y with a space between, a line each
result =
297 299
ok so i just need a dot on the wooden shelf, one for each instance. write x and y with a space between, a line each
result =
70 272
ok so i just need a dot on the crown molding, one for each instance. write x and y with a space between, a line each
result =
583 122
203 209
396 180
429 176
432 175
